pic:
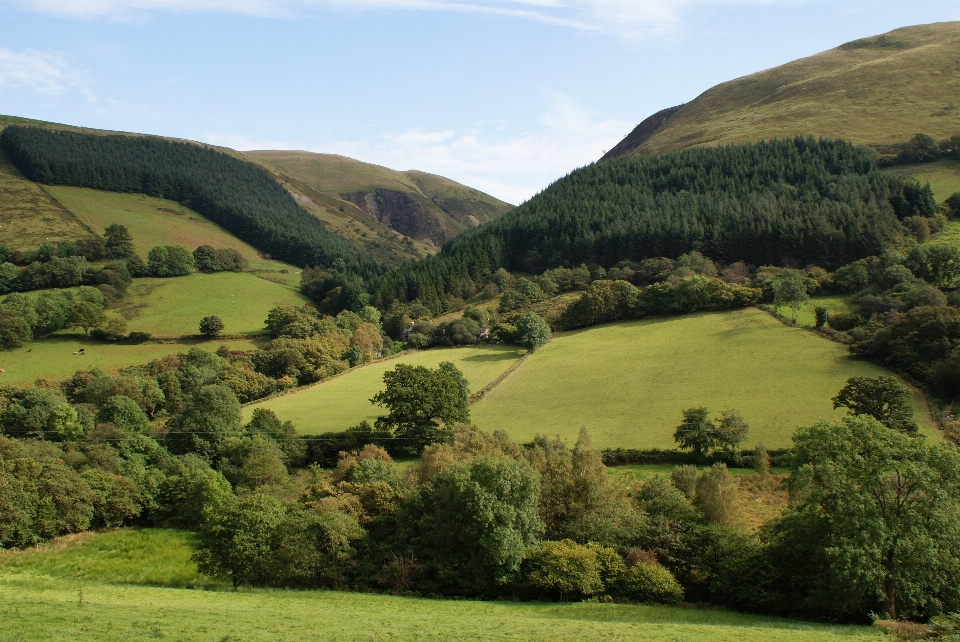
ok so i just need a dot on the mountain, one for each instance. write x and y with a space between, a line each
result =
877 91
395 216
427 208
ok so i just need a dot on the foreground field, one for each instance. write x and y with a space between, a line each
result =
55 358
174 307
628 382
344 401
92 588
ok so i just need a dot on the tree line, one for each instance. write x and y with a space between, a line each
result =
238 195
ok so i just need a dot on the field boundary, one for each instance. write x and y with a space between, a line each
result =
479 394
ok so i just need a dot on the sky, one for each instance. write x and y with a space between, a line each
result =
502 95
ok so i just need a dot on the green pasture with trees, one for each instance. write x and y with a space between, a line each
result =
174 307
628 382
343 402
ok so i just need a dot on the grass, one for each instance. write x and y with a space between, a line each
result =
877 91
634 473
29 216
344 401
54 358
173 307
98 587
154 221
943 176
807 316
627 383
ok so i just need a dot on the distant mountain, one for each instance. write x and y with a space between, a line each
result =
427 208
877 91
396 216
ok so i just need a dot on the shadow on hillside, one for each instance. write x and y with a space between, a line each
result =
493 357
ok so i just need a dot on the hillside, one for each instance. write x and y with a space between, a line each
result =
663 366
426 208
119 585
876 91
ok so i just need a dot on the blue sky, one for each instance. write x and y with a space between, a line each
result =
503 95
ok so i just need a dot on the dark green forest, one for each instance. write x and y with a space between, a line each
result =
797 201
238 195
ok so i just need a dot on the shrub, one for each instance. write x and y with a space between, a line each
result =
564 569
211 326
844 321
648 583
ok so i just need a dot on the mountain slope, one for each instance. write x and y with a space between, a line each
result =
876 91
428 208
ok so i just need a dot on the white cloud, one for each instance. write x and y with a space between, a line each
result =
44 72
510 168
627 19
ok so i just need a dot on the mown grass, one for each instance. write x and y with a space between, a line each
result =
98 587
344 401
876 91
173 307
55 358
29 216
627 383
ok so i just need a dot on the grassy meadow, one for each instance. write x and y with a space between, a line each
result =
628 382
173 307
55 358
345 401
807 316
127 585
29 216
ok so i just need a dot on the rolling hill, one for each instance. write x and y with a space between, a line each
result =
877 91
395 216
427 208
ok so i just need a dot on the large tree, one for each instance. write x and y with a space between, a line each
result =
696 432
789 290
877 519
883 398
424 403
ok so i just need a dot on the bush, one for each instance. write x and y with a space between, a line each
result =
564 570
648 583
844 321
211 326
138 337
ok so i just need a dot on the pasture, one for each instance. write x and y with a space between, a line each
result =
118 585
55 357
807 316
173 307
627 383
345 400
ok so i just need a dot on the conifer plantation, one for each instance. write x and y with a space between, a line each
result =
238 195
822 202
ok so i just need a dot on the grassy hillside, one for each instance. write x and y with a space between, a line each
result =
29 216
426 208
344 401
96 587
877 91
943 176
174 307
628 382
55 358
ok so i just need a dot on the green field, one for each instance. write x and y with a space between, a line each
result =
54 358
633 473
628 382
344 401
155 221
173 307
943 176
97 586
807 316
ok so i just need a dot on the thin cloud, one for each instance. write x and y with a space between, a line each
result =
48 73
626 19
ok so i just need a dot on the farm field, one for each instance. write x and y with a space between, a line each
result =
116 586
173 307
154 221
807 317
943 176
627 383
345 401
53 358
